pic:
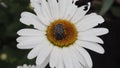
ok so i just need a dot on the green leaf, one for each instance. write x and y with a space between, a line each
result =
106 6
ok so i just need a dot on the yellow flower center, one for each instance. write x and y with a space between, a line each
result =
62 33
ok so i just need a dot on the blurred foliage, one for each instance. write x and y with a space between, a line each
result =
106 6
10 11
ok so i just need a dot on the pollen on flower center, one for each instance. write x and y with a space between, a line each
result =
61 33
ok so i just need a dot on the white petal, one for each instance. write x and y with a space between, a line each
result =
54 57
70 10
44 64
67 58
33 66
44 53
24 38
90 38
95 32
86 55
41 14
38 1
76 63
30 32
25 46
54 8
78 56
29 42
80 12
75 60
31 19
19 67
89 21
46 8
25 66
34 52
62 6
92 46
60 63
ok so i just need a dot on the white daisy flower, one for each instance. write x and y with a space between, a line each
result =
61 32
28 66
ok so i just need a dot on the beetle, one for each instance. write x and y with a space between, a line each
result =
59 32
